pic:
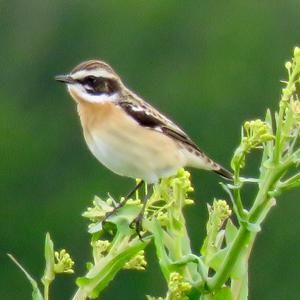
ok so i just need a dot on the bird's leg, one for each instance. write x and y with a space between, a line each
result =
122 203
137 187
137 221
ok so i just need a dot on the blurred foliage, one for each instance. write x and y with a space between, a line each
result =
208 65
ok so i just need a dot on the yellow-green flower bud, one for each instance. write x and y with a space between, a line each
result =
288 65
109 201
296 60
296 52
218 213
100 247
138 262
64 262
178 287
256 133
295 107
134 201
99 210
189 201
162 217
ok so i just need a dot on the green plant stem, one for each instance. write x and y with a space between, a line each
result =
46 290
277 152
238 202
245 237
180 246
236 193
242 239
80 294
292 182
287 92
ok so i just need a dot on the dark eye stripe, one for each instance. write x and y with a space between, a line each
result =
99 85
90 80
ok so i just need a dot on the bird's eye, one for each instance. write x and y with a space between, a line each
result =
98 85
90 80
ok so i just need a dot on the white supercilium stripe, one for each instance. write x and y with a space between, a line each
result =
96 73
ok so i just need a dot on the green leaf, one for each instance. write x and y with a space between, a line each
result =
216 260
219 239
105 270
241 265
268 119
123 218
239 288
244 288
160 240
223 294
36 294
97 214
268 146
49 274
89 265
203 249
230 232
95 227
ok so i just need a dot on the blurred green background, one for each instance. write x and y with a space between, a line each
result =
210 65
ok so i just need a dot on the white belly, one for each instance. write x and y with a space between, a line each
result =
136 157
127 148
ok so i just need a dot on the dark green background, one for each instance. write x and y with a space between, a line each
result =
210 65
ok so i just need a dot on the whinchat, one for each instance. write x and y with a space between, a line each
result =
127 134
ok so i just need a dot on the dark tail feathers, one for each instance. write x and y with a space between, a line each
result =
224 173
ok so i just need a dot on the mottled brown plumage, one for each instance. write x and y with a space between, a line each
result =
126 133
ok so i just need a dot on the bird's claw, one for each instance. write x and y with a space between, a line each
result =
137 225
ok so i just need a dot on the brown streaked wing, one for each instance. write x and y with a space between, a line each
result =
149 117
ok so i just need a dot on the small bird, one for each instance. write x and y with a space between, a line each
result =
125 133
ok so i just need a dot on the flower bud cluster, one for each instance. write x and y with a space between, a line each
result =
256 132
178 287
138 262
100 247
64 262
183 179
295 108
173 191
99 210
218 213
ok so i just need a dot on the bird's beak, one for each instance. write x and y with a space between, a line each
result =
64 78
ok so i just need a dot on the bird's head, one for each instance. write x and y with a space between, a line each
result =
93 81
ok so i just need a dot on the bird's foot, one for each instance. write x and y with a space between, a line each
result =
137 224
